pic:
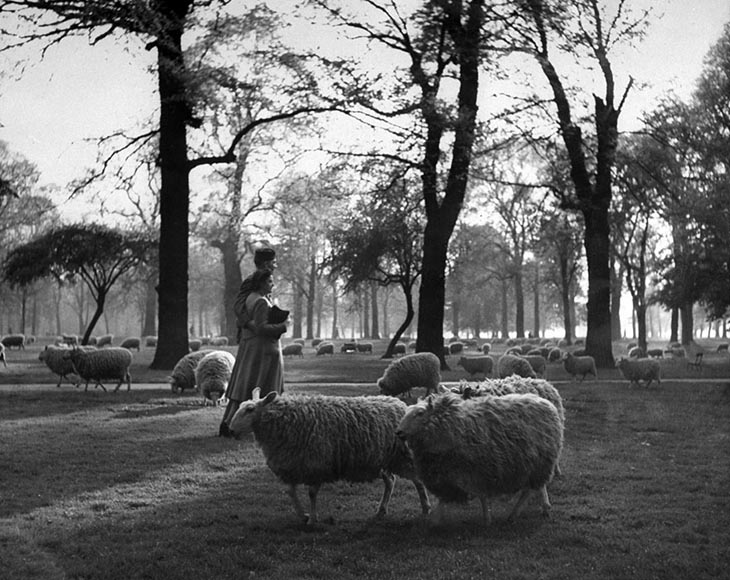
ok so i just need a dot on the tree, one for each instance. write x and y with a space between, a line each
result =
96 254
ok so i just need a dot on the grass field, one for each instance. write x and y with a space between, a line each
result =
135 485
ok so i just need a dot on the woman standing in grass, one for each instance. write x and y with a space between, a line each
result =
259 362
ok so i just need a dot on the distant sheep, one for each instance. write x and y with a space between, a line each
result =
130 343
555 355
640 369
213 373
183 373
219 341
486 347
456 347
294 349
105 340
477 364
484 447
655 353
637 352
420 369
509 364
366 347
538 364
57 360
194 344
150 341
325 348
98 365
316 342
14 341
70 339
347 438
400 348
579 365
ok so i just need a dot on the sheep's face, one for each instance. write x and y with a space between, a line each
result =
414 418
243 421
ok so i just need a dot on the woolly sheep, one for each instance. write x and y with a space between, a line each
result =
555 355
212 374
57 360
316 342
219 341
655 353
325 348
14 340
579 365
194 344
183 374
130 343
105 340
477 364
70 339
538 364
109 363
637 352
294 349
399 348
2 354
420 369
348 438
486 347
366 347
509 364
150 341
456 347
484 447
514 351
640 369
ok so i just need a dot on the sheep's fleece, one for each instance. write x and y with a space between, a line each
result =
421 369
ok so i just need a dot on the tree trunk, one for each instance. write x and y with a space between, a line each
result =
505 311
232 280
408 294
100 300
375 327
150 310
311 296
519 304
298 307
432 295
616 286
536 303
172 289
335 332
674 326
687 323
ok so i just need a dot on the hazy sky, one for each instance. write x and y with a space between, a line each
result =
78 92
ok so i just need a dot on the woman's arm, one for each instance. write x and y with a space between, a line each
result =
260 320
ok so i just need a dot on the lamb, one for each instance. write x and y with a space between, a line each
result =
14 340
183 374
294 349
640 369
325 348
130 343
538 364
110 363
212 374
347 438
579 365
484 447
509 364
477 364
420 369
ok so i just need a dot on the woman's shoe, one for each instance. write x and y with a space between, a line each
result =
224 431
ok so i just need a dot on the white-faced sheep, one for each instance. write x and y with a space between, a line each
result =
14 341
105 340
538 364
509 364
183 374
484 447
325 348
347 438
98 365
477 364
640 369
2 355
130 343
212 374
486 347
420 369
293 349
579 365
655 353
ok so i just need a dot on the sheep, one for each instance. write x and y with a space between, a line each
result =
486 347
400 348
150 341
212 374
579 365
484 447
14 340
130 343
655 353
194 344
538 364
110 363
105 340
294 349
55 359
325 348
640 369
70 339
555 355
366 347
477 364
347 438
420 369
456 347
183 373
2 354
637 352
509 364
316 342
219 341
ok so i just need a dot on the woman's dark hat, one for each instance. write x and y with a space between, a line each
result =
264 255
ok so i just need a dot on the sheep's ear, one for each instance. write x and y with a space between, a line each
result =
270 397
441 389
256 394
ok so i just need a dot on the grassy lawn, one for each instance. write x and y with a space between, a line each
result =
136 485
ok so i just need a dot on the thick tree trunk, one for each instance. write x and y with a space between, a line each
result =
149 327
598 338
687 317
505 310
519 303
375 326
311 297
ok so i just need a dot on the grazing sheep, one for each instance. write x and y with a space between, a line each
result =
348 347
55 359
212 374
579 365
294 349
2 354
456 347
183 374
366 347
325 348
555 355
640 369
316 342
420 369
109 363
105 340
347 438
655 353
70 339
484 447
509 364
477 364
219 341
400 348
14 340
538 364
130 343
195 344
637 352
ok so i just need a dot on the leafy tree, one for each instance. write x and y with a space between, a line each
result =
96 254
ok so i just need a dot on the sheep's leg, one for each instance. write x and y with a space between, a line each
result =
313 490
546 507
389 484
99 384
297 505
486 509
423 496
524 495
